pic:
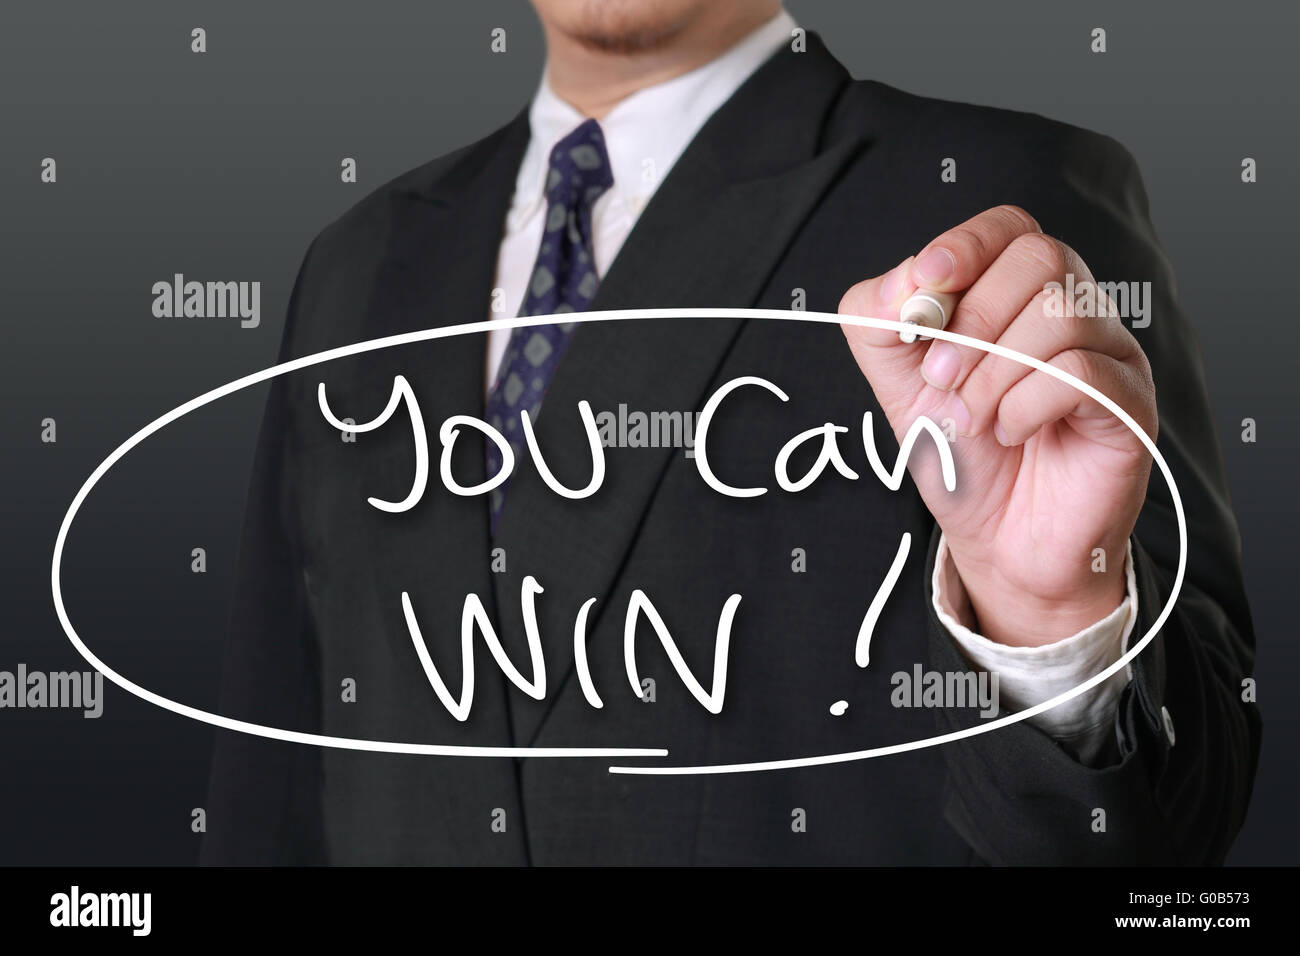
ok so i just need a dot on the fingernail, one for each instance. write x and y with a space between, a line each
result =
894 281
941 365
935 265
954 410
1000 434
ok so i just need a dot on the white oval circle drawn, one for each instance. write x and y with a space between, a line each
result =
406 338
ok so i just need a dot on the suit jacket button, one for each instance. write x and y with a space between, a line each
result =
1169 725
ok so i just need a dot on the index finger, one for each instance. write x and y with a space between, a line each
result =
953 261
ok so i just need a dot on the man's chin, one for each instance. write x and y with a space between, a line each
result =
626 41
623 27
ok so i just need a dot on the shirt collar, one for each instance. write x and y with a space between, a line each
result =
646 132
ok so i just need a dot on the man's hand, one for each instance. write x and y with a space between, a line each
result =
1045 475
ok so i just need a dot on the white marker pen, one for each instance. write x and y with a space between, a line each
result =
930 310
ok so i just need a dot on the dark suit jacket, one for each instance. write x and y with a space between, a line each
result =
805 179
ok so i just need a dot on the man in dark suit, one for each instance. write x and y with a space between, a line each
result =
769 176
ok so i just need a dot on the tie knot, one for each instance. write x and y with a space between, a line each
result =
579 171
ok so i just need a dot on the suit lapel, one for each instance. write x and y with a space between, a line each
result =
438 270
710 237
445 230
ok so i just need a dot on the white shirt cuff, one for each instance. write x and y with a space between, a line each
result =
1031 675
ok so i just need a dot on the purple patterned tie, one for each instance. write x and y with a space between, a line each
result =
563 280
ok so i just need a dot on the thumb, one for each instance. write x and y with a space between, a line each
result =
892 366
893 369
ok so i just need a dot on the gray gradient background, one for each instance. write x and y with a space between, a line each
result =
225 165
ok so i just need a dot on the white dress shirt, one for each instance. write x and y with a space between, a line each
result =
644 136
